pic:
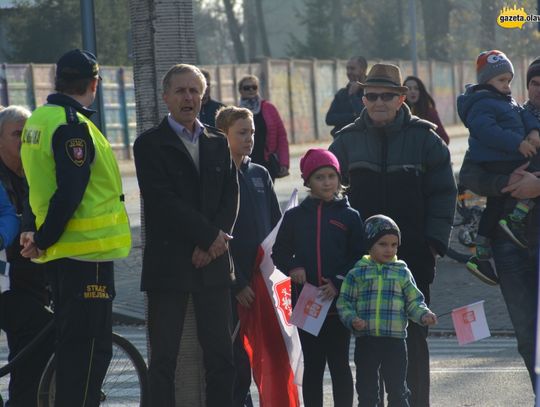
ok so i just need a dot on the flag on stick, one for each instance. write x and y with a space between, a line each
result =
470 323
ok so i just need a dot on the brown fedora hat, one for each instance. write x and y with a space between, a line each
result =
384 76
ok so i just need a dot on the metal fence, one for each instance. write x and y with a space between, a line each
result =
302 90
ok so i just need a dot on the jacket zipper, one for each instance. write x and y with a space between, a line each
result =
319 268
379 299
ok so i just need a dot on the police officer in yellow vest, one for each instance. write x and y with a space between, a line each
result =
81 225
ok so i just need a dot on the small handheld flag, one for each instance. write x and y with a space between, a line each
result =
470 323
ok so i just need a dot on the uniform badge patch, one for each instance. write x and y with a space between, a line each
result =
76 151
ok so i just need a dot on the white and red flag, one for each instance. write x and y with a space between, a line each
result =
271 341
310 310
470 323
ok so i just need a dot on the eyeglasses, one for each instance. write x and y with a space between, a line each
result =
385 97
250 87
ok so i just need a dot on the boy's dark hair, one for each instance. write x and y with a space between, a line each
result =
72 87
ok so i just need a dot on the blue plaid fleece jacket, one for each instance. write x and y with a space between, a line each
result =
384 295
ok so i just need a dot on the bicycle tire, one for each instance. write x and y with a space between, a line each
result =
125 383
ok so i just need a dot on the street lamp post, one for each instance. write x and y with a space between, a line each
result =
412 19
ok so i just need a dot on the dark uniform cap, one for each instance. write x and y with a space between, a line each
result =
77 64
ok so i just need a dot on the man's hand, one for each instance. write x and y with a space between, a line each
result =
327 291
29 250
527 149
526 188
220 245
200 258
245 296
429 318
517 174
358 324
298 275
354 87
534 138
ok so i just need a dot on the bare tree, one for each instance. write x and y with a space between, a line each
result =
437 27
250 28
488 18
337 25
262 28
235 31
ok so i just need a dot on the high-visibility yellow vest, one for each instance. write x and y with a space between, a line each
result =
99 229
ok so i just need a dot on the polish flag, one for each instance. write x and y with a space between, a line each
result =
271 341
470 323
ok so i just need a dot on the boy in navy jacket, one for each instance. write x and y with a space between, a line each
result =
258 213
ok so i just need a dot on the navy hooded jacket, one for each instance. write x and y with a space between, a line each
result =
497 124
325 238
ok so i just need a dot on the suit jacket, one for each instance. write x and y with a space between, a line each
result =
184 208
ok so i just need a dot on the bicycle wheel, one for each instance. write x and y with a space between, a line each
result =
125 383
463 235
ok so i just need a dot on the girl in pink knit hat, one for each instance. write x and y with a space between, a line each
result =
318 243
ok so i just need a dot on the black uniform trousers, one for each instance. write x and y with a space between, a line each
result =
82 295
166 314
22 317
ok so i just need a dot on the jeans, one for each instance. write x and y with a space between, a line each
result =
390 356
518 279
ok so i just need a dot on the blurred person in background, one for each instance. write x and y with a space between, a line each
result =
209 106
422 105
347 103
271 149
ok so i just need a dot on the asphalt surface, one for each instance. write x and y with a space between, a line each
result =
453 286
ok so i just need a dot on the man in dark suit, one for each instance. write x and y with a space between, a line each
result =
190 191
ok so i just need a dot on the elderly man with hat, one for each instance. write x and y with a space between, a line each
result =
75 194
395 164
517 268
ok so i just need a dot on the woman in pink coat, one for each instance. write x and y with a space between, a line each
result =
271 148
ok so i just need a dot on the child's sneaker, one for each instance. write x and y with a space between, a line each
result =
515 231
483 269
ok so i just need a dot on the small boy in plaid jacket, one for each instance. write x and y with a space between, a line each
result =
377 298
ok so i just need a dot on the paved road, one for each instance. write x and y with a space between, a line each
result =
488 373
